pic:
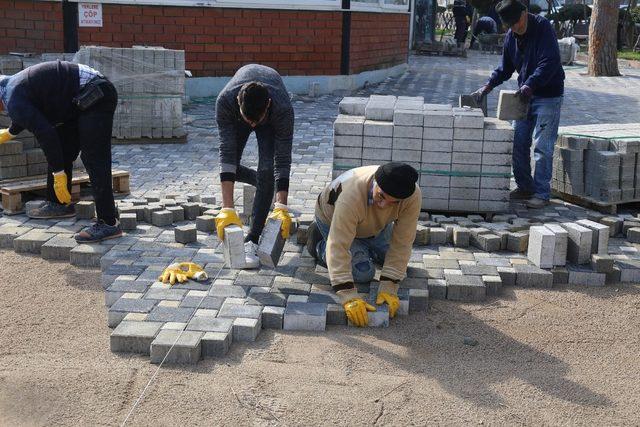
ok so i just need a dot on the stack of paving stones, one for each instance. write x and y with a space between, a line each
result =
464 159
598 162
458 258
21 156
150 84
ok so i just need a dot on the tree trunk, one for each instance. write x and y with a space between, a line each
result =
603 55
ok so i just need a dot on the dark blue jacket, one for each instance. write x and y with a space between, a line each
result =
536 58
39 98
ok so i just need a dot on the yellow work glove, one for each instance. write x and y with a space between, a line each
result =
5 136
281 212
226 217
355 307
388 293
60 187
181 272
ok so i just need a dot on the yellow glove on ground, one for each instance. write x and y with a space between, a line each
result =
60 187
388 293
226 217
281 212
5 136
181 272
355 307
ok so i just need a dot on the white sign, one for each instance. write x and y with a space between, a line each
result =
90 14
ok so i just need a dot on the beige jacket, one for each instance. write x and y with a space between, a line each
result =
344 205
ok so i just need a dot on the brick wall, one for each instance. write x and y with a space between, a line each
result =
30 26
219 41
378 40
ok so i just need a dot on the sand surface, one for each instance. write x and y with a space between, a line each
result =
564 356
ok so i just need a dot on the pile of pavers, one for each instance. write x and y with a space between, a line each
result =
464 159
458 258
598 162
150 84
21 156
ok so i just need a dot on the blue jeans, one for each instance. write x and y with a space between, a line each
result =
365 253
541 128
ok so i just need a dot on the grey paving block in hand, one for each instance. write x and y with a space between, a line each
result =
134 337
510 106
177 347
58 248
215 344
233 245
305 317
271 243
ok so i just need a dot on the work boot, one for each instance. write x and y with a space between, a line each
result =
536 203
519 194
251 259
52 210
313 237
98 232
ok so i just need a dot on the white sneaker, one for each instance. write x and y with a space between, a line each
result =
251 259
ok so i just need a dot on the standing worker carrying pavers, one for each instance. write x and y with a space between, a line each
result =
367 216
531 49
255 99
69 108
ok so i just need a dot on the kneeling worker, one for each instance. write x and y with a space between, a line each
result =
69 108
367 216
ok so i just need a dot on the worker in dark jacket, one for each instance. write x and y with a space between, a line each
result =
255 99
531 49
485 25
69 108
462 14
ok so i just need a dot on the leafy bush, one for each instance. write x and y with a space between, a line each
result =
571 12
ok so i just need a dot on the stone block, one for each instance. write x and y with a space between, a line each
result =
173 346
408 118
418 300
633 234
215 344
191 210
168 313
461 237
465 288
579 243
493 284
8 233
350 125
541 249
134 337
205 223
579 275
232 311
517 242
246 329
271 243
149 210
336 315
177 211
272 317
602 263
162 218
561 242
128 221
600 239
124 306
58 248
437 236
528 276
233 243
560 275
438 119
511 107
31 242
353 106
377 129
87 255
305 317
507 275
186 234
85 210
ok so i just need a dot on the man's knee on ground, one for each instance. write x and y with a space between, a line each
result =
363 271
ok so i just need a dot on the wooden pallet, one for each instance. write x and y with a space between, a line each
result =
12 190
610 208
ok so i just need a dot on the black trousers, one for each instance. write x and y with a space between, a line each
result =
89 135
262 179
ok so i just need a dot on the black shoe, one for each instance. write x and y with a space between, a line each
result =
313 237
519 194
50 210
98 232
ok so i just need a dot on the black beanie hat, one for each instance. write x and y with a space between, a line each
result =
510 11
397 179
